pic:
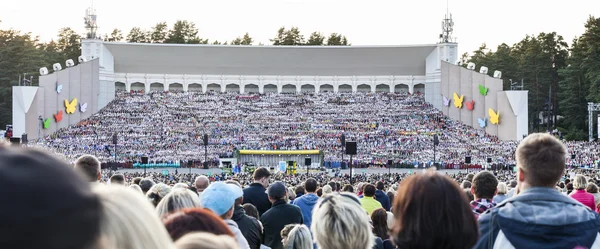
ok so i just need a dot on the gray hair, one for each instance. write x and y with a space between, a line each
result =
177 199
580 182
204 240
502 189
298 238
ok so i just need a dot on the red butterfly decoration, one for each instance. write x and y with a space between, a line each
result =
470 105
58 117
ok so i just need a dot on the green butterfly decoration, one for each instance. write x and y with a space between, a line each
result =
47 123
483 90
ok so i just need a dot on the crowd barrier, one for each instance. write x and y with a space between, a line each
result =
157 165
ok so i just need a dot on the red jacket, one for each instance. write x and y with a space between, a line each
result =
585 198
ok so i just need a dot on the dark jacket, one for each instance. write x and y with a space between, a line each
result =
249 226
256 195
307 203
539 218
275 219
382 198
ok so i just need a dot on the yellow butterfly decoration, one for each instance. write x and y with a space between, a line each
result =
494 117
71 107
458 102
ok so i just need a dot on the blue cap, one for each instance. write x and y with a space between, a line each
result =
219 197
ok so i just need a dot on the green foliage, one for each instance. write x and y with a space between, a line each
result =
159 32
291 37
315 39
336 39
245 40
137 35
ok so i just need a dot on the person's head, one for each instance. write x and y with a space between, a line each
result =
117 179
158 192
136 188
570 186
89 166
203 240
320 192
291 194
181 185
540 161
177 199
379 219
311 185
136 181
432 212
469 194
466 184
146 184
190 220
390 195
502 188
333 186
470 177
298 238
277 191
251 210
348 188
240 200
369 190
300 190
485 185
359 187
580 182
286 231
220 198
262 175
380 185
591 188
327 190
129 221
201 183
345 213
513 184
45 203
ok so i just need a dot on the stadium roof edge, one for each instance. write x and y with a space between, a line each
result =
270 46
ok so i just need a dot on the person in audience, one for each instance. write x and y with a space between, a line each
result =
587 199
176 200
291 195
117 179
308 201
220 198
251 210
286 231
136 188
146 184
129 221
348 188
278 216
181 185
299 237
158 192
201 183
45 203
136 181
255 193
540 165
191 220
390 195
485 186
202 240
250 226
592 188
300 191
381 196
466 185
379 222
432 212
501 195
368 201
345 213
512 186
89 166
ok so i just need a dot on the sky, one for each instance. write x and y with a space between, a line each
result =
374 22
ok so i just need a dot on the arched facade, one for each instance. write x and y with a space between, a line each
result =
120 86
419 88
363 88
251 88
345 88
288 88
157 87
270 88
195 87
307 88
232 88
382 88
213 87
401 88
175 87
326 88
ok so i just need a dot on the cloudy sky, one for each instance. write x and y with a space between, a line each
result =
375 22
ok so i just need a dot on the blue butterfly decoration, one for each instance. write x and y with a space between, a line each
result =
58 87
482 122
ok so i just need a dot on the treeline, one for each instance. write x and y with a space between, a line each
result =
561 80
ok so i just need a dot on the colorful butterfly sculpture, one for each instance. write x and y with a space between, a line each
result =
494 117
83 107
470 105
58 116
458 101
47 123
446 101
482 122
71 107
483 90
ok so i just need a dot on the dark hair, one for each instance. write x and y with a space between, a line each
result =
591 188
470 177
251 210
261 173
369 190
380 185
380 227
190 220
338 186
332 185
89 166
311 185
118 179
136 181
485 185
432 211
299 190
390 195
469 195
319 192
146 184
348 188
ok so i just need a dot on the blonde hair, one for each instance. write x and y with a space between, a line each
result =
502 188
176 200
298 238
203 240
542 157
580 182
136 188
343 214
327 190
129 221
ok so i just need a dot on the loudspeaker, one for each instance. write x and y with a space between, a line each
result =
489 160
205 139
114 166
390 162
115 139
350 148
468 159
144 160
436 140
572 156
307 161
15 141
344 165
205 165
343 140
290 163
24 138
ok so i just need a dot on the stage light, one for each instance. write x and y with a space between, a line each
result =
69 63
56 67
43 71
483 70
497 74
471 66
